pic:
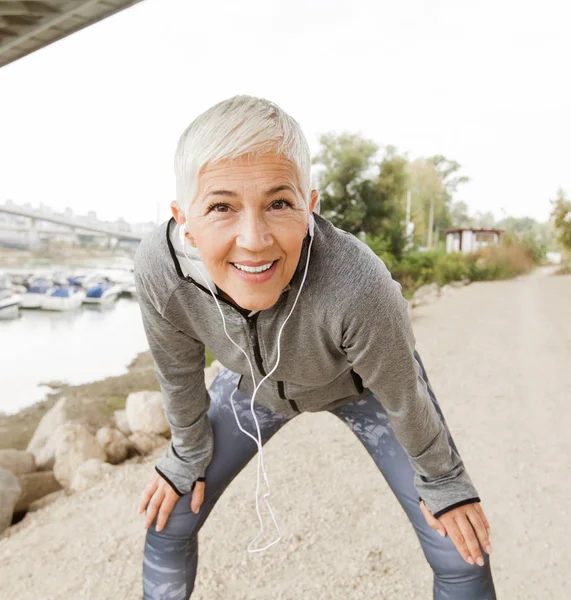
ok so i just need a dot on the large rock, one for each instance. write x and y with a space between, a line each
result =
145 443
114 443
89 473
17 462
121 422
426 294
35 486
145 413
75 445
43 443
10 491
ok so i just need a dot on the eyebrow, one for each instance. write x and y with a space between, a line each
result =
270 192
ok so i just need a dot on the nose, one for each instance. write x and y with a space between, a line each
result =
254 234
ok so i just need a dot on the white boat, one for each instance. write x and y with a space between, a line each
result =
102 291
9 300
63 297
38 288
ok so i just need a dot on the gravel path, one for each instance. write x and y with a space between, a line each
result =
499 358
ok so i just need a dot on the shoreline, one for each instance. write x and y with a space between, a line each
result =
104 395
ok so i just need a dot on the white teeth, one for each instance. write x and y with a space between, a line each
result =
259 269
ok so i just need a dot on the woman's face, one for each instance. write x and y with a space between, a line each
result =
249 220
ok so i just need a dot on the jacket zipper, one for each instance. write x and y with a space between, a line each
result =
281 391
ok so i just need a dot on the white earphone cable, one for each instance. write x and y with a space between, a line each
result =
257 440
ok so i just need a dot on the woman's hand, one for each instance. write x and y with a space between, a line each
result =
465 526
159 497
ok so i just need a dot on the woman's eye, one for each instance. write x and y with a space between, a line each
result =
218 208
281 204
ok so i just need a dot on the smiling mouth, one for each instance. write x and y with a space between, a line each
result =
254 270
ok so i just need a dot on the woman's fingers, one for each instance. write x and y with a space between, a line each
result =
432 522
480 511
148 492
480 529
167 505
197 496
455 534
154 505
470 539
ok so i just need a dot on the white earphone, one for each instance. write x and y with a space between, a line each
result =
258 439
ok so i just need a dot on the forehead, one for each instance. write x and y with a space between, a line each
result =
267 168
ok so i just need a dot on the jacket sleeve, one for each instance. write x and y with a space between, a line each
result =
179 366
380 345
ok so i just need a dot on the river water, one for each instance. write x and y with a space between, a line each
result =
78 346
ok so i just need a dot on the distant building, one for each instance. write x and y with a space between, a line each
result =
468 239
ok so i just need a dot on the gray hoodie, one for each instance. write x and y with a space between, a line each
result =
349 335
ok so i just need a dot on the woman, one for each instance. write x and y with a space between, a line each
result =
243 253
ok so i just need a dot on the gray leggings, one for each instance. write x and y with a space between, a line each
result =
171 555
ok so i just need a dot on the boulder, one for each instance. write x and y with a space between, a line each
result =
75 445
211 372
35 486
17 462
46 500
10 491
145 443
145 413
457 284
43 443
90 473
121 422
114 443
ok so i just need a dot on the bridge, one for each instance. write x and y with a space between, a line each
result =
29 26
76 227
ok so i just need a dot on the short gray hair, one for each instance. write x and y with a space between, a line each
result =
239 126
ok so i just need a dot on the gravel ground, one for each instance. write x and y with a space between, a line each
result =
499 358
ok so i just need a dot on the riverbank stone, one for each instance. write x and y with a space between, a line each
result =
17 462
35 486
43 443
75 445
145 413
89 473
114 443
10 490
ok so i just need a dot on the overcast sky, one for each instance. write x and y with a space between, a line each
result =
92 121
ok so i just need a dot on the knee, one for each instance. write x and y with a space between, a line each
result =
182 523
450 569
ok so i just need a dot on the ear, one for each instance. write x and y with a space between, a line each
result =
313 200
177 213
181 220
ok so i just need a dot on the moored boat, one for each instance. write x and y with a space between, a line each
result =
102 291
63 297
37 289
9 300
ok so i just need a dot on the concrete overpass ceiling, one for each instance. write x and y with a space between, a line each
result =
29 26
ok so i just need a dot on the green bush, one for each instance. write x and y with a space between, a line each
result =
421 268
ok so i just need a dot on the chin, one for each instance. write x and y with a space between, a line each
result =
256 303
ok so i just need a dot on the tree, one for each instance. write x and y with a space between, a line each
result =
427 190
561 215
383 198
346 159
